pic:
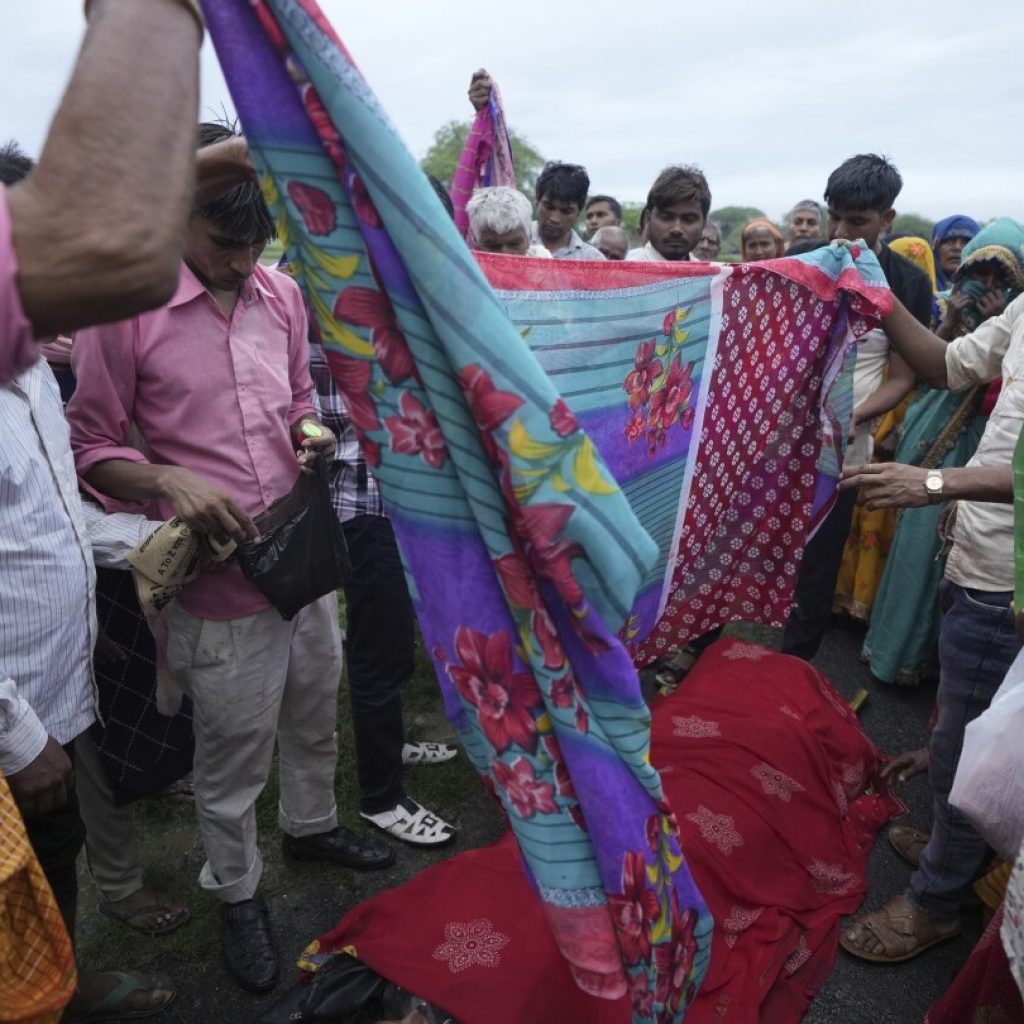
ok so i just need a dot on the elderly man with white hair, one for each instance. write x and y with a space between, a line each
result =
612 241
500 220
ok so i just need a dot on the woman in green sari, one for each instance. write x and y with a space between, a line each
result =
941 430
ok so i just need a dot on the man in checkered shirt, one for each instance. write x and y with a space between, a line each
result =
380 632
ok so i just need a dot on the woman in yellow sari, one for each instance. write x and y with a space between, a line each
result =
872 531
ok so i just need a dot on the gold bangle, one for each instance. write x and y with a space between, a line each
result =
192 6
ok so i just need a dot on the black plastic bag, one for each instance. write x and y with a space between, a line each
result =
301 554
345 991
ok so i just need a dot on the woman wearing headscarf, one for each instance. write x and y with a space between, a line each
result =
872 530
949 237
761 240
941 430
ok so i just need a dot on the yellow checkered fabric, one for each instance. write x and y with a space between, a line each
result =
37 963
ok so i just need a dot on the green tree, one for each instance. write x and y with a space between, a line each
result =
913 224
443 156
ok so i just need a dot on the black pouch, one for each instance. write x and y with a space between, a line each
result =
301 554
345 991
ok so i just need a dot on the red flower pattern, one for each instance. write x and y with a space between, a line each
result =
529 795
325 129
635 910
639 381
315 206
490 406
635 428
666 401
640 995
415 431
669 323
563 422
551 559
505 700
353 377
365 307
521 591
673 959
362 203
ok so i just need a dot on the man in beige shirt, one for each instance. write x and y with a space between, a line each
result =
978 640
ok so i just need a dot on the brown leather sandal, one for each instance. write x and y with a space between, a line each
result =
903 931
908 843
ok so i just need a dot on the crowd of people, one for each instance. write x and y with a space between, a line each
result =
153 370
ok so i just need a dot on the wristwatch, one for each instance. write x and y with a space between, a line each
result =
933 484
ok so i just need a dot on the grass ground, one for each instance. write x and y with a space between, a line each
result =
172 853
307 899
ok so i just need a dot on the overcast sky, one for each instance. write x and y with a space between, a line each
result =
767 98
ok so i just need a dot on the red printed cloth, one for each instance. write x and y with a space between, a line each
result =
768 771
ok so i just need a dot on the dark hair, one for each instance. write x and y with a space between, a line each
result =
15 163
241 213
864 182
613 203
806 245
680 185
568 183
442 194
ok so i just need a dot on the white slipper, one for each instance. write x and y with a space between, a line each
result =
428 753
411 823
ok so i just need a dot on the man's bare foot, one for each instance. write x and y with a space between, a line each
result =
118 995
146 911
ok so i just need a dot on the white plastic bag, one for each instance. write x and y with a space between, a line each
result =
989 783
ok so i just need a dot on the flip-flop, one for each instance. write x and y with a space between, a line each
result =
109 1009
428 753
171 919
413 824
884 926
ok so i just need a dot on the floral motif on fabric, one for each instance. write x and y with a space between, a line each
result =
738 921
842 800
853 776
831 694
660 385
527 794
717 829
414 431
694 727
674 962
798 957
740 651
505 700
776 783
469 944
831 878
635 910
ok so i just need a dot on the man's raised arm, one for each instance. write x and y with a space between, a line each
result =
97 226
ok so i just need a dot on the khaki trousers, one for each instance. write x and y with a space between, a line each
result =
110 845
252 680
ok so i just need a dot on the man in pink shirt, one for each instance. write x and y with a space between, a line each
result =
218 384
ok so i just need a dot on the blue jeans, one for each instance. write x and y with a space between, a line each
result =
977 644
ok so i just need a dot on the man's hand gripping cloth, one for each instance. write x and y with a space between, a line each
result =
171 556
523 555
485 160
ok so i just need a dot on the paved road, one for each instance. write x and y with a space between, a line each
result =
896 719
307 901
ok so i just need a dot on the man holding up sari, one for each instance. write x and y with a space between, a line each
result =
978 641
941 430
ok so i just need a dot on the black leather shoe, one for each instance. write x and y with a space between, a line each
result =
249 944
340 846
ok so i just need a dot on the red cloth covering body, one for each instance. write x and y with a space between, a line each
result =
768 772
